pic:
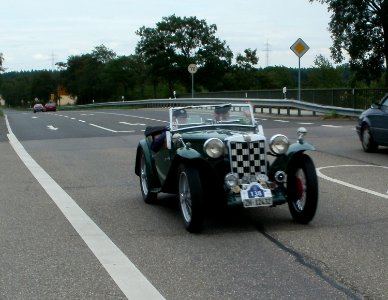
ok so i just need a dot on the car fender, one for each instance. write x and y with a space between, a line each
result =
188 153
187 156
153 179
365 120
282 162
142 147
299 146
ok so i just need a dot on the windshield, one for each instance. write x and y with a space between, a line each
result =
224 115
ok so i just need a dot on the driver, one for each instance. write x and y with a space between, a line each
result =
179 116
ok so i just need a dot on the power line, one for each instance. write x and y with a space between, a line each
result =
267 50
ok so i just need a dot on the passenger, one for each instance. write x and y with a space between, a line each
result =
221 113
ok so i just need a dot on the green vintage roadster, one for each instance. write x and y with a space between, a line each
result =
218 155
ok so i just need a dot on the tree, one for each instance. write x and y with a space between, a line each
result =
81 78
277 77
248 60
125 76
176 42
243 75
360 27
102 54
43 84
324 75
82 75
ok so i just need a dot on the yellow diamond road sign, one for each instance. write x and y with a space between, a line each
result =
299 48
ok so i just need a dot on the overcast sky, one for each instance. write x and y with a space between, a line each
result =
36 34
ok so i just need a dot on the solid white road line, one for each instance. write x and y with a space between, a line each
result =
128 278
104 128
319 173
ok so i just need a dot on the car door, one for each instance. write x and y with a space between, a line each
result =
162 160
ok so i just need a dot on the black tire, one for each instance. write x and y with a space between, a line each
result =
148 196
367 142
302 189
190 198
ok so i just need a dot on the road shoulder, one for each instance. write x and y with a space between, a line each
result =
3 130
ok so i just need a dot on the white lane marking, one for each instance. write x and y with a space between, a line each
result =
349 184
134 124
82 121
331 126
111 130
282 121
307 123
34 117
133 116
128 278
104 128
51 127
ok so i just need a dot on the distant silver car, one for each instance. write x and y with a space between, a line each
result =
372 127
38 107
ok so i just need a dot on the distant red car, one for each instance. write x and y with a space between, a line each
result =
50 106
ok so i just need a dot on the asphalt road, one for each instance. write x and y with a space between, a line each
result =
91 236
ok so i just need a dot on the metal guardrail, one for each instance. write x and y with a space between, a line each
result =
271 106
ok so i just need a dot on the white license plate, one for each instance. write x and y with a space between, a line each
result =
257 202
254 195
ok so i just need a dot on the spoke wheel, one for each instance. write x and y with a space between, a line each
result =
302 189
190 198
148 196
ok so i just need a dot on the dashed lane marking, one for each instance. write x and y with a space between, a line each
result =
331 126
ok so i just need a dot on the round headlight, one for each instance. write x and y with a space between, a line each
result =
214 147
279 144
231 180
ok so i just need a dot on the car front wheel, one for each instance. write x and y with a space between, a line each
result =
190 198
368 144
302 189
148 196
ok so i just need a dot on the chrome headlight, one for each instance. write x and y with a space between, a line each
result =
279 144
214 147
231 180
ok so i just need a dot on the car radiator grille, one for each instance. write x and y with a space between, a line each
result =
248 158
